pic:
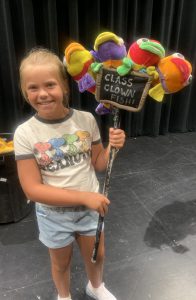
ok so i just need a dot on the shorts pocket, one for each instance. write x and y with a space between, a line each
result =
42 211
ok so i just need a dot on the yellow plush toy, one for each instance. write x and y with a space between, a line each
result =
78 62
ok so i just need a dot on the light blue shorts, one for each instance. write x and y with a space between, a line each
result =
59 225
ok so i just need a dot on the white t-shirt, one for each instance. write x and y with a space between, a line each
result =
62 149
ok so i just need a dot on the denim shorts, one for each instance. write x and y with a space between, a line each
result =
59 225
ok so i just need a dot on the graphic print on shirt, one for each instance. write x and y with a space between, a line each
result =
59 153
40 150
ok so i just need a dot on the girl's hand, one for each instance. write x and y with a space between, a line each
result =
98 202
116 137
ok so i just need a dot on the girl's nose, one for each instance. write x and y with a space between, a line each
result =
43 93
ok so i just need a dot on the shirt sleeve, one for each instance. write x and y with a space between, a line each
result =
22 147
96 138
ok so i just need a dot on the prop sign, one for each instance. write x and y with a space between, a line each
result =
125 92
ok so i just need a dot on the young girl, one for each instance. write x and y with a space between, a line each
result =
57 152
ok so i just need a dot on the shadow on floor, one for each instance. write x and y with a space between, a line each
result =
171 224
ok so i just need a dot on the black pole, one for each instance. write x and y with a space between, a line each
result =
113 151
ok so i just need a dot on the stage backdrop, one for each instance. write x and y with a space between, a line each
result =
55 23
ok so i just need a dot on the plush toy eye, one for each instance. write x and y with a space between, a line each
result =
121 41
142 40
145 40
64 61
179 55
189 80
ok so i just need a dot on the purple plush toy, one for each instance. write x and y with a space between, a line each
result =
109 49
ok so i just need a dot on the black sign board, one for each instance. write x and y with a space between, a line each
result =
125 92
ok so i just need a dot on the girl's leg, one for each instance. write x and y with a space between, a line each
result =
60 265
95 287
94 270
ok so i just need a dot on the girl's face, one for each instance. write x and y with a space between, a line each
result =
44 91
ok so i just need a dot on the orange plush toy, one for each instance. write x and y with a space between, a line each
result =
174 73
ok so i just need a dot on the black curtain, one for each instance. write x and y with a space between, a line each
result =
55 23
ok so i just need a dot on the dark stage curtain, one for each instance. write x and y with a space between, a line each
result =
54 23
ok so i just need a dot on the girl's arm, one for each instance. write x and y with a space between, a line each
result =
32 185
100 155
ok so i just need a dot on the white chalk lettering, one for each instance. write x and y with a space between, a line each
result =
131 93
130 83
123 91
107 77
107 87
118 80
121 100
115 89
113 78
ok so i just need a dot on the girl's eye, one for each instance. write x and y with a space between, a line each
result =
32 88
51 84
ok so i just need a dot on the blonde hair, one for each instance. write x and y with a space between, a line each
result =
40 56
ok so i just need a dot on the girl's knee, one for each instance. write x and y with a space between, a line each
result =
60 267
61 259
